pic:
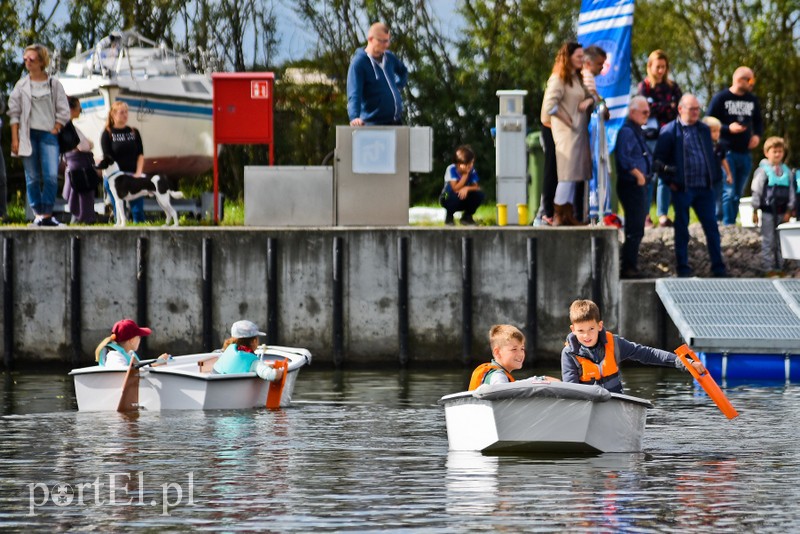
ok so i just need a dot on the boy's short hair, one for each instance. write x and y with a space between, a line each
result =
464 154
582 311
772 142
499 334
712 122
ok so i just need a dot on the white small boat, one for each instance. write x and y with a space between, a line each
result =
170 105
544 416
789 235
187 383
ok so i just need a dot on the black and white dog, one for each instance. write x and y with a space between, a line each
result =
128 187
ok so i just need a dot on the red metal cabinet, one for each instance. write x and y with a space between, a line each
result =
242 114
243 107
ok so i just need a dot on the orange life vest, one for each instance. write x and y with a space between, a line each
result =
600 373
481 371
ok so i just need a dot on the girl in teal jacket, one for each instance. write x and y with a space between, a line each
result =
239 353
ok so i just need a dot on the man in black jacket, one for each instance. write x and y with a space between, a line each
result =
685 159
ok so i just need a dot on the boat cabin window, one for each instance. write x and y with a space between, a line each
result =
193 86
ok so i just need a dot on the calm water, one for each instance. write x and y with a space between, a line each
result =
368 451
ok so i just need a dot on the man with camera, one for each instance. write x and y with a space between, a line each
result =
684 158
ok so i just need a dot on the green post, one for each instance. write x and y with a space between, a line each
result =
535 170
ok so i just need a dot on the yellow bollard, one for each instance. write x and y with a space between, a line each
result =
502 215
522 214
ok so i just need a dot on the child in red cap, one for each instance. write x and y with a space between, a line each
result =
116 350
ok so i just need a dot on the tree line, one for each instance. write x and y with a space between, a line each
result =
507 44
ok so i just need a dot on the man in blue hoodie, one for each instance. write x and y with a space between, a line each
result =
374 80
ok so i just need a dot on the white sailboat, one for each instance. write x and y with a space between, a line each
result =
169 105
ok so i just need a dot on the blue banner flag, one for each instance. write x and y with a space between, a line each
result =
607 24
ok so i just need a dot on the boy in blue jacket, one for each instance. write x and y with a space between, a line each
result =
592 354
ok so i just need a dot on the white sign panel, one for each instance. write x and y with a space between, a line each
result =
259 89
374 151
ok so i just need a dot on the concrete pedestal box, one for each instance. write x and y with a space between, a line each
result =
510 153
512 191
288 196
372 175
421 149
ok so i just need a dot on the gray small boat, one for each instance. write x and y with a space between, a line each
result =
542 416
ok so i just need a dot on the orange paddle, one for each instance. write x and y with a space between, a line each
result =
707 382
276 387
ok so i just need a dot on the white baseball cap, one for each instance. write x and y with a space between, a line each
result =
245 328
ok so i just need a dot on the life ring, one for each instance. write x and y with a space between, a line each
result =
707 382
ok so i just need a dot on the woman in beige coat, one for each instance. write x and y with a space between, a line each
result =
566 108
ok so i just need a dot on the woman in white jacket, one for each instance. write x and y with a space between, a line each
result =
38 109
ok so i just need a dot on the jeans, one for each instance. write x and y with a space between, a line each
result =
663 198
702 200
137 206
771 257
740 164
41 172
718 198
635 202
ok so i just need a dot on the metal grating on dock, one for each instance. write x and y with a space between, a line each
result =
736 316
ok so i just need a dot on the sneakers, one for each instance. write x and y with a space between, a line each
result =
50 222
448 219
467 220
665 222
648 222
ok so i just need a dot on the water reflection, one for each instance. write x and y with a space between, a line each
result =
472 483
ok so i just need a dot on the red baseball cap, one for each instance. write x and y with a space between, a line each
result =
127 329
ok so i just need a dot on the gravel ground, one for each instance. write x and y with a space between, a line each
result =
741 248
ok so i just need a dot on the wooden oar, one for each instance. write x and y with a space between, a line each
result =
707 382
129 399
276 387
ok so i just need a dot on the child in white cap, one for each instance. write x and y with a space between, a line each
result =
239 355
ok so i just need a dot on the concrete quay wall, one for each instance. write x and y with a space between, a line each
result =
643 318
63 289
